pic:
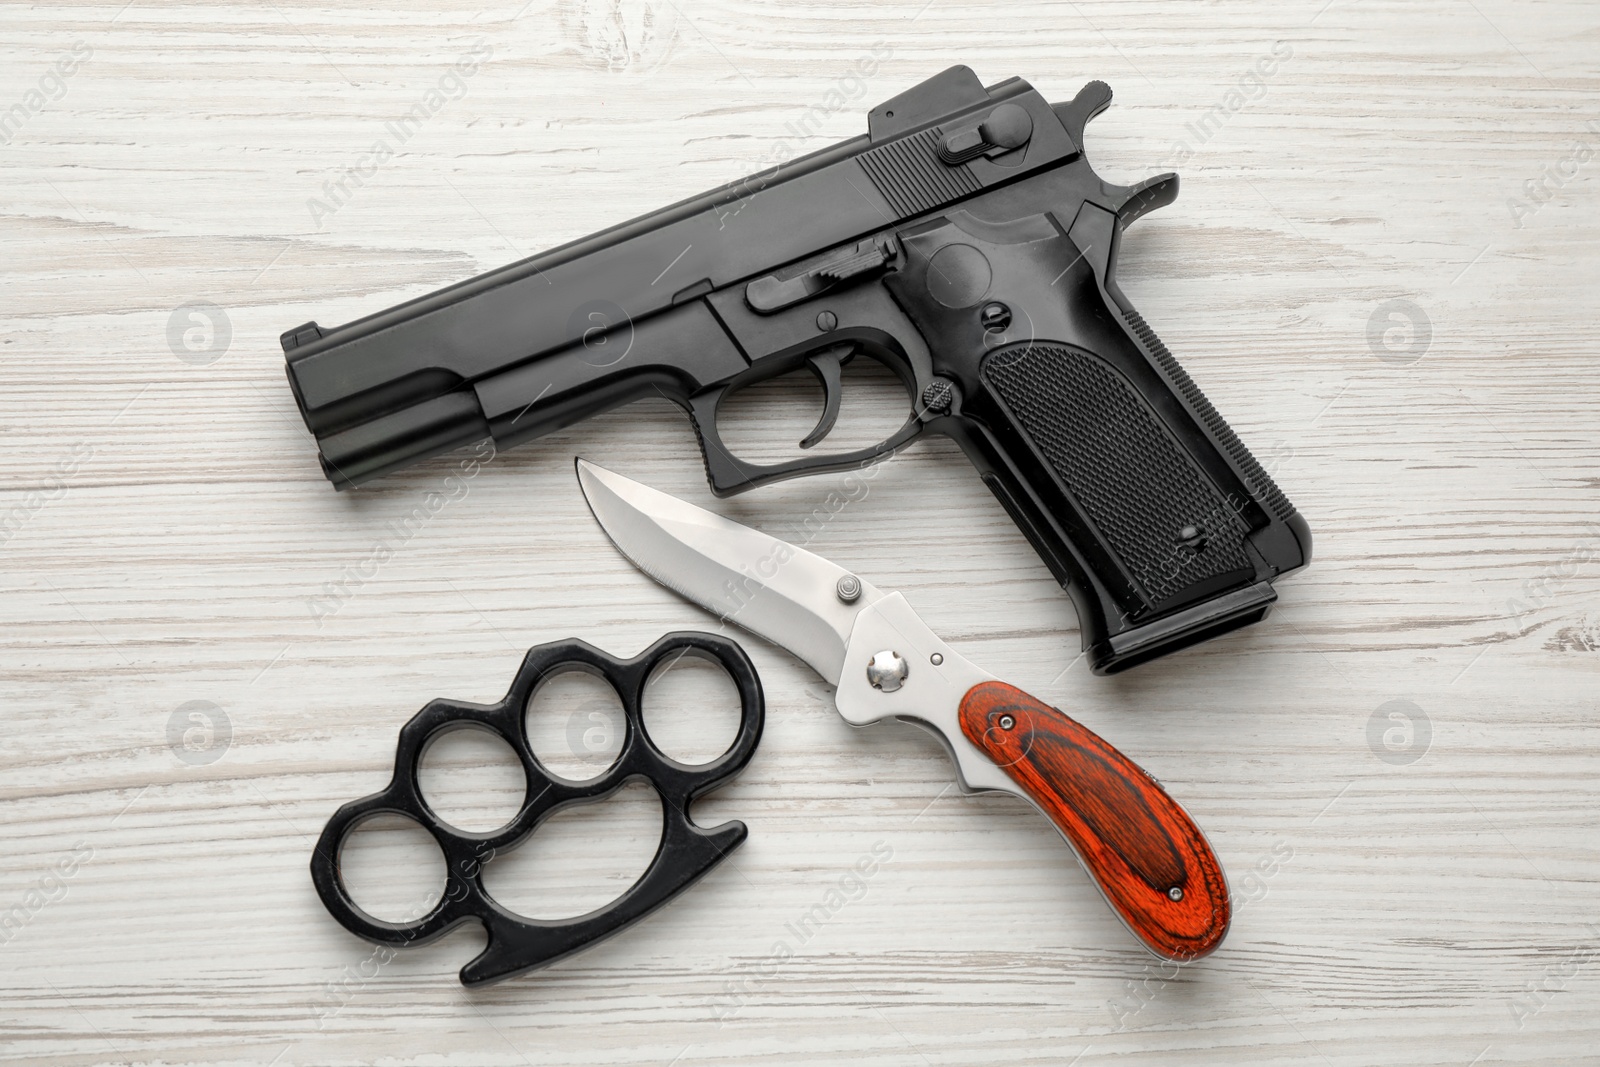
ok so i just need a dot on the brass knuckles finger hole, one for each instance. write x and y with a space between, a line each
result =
460 898
660 659
432 921
527 766
609 672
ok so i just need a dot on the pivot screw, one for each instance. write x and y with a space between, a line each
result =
827 321
936 659
1175 893
887 671
849 589
995 316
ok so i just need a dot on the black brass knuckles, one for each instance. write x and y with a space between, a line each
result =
518 944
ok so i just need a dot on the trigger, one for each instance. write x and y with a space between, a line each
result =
825 365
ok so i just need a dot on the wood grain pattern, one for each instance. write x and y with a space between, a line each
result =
1150 860
1407 891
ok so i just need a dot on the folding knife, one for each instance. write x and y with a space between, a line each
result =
1146 855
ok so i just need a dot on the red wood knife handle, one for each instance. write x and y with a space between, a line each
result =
1151 861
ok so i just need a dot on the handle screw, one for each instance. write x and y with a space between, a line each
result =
936 659
827 321
1007 722
887 671
849 589
1176 892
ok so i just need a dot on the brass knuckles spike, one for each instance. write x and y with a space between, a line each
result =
517 944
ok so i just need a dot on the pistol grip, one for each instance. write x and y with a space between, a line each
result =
1160 524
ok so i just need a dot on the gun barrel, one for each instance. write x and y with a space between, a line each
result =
521 311
396 387
409 435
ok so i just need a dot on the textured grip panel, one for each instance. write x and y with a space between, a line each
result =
910 175
1126 473
1146 854
1260 481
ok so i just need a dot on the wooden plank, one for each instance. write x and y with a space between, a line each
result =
167 531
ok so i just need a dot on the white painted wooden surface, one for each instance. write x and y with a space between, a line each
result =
167 527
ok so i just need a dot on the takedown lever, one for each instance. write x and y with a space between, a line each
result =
786 288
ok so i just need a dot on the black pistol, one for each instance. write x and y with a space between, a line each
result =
965 243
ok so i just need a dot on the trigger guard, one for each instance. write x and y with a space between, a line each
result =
729 475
